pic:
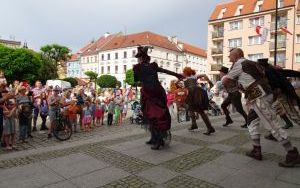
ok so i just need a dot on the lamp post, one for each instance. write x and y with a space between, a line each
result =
276 25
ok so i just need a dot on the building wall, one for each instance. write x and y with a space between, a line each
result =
73 69
290 51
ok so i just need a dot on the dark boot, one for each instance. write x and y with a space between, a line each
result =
270 137
207 122
157 145
255 153
228 122
208 132
287 121
292 159
194 126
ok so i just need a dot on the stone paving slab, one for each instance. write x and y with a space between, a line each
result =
185 181
131 182
222 147
62 184
211 172
157 157
291 175
74 165
198 134
32 175
99 178
234 161
158 174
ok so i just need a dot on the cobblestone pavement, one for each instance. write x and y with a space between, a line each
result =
117 157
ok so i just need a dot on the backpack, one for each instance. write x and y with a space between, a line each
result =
44 108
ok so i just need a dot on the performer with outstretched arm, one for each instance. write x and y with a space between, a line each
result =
153 97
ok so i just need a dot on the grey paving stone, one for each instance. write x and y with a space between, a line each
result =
211 172
235 161
246 179
291 175
137 151
216 137
62 184
222 147
180 148
280 184
32 175
128 145
99 178
185 181
74 165
264 169
158 174
157 156
130 181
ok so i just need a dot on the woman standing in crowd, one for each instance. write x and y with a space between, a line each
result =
153 97
55 102
9 128
44 109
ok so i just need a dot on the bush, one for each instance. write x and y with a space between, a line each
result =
107 81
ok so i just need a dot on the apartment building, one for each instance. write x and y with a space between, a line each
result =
114 54
235 23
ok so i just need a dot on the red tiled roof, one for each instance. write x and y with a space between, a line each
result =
249 6
194 50
298 8
144 38
74 57
97 45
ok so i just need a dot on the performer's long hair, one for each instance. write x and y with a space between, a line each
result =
188 71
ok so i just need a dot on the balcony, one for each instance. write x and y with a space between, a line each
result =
217 34
217 51
281 45
281 23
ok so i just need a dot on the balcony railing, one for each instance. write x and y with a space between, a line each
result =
280 44
215 51
281 23
217 34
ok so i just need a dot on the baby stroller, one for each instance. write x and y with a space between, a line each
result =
137 115
214 109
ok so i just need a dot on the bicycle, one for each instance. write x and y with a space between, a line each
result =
62 129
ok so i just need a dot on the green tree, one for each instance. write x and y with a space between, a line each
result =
19 64
129 79
56 52
73 81
92 76
48 70
107 81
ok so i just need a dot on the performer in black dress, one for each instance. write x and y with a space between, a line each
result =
153 97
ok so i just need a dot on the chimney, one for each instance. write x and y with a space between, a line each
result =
174 39
180 46
106 34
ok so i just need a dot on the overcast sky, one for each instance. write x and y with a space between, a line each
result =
74 23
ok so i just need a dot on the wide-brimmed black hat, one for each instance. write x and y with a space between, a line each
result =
263 61
224 69
142 51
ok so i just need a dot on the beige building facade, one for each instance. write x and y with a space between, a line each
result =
235 24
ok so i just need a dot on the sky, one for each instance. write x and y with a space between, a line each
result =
74 23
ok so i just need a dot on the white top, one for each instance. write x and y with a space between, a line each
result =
238 74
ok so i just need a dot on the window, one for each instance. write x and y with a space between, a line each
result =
125 54
235 25
167 55
239 10
108 69
280 3
235 43
102 70
298 19
298 38
258 6
116 55
116 69
124 68
254 40
88 59
96 58
255 57
102 57
133 53
176 57
298 58
108 56
257 21
220 16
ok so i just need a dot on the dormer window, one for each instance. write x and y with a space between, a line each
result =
221 15
280 3
258 6
239 10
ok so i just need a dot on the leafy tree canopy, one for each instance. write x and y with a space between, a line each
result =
20 64
56 52
92 75
73 81
107 81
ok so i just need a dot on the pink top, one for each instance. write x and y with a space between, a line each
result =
170 99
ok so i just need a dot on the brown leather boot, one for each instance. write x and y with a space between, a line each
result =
292 159
194 126
255 153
